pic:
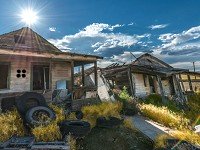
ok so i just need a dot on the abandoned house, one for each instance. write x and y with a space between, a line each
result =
148 74
28 62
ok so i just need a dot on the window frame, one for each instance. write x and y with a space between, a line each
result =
9 75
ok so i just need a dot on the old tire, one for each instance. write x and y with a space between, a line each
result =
8 104
79 115
33 116
75 128
108 122
29 100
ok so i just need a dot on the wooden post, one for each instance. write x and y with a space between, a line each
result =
183 88
72 78
179 90
130 81
161 89
190 83
95 74
83 75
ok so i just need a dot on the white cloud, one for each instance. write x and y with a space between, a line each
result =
126 57
186 42
131 24
52 29
95 38
158 26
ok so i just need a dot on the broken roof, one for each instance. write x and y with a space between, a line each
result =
146 64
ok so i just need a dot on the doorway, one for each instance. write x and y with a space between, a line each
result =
152 85
40 77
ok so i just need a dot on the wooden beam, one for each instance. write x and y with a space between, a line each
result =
190 82
161 89
130 81
182 85
95 74
83 74
179 90
72 78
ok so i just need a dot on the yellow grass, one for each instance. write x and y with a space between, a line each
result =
105 109
187 135
50 132
164 116
10 124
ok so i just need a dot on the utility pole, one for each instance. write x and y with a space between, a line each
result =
194 67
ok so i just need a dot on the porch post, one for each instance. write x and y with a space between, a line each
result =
161 89
83 75
183 88
190 83
72 78
95 74
130 81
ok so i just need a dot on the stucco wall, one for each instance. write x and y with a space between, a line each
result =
59 71
140 89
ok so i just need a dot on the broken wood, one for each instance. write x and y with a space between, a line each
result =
190 83
161 89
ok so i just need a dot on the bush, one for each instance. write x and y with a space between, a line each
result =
124 94
129 106
164 116
154 99
105 109
193 112
11 124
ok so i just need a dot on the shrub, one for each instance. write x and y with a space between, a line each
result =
105 109
124 94
194 107
11 124
155 99
129 106
164 116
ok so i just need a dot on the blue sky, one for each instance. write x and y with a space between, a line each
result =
168 29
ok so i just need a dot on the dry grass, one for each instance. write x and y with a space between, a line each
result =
105 109
164 116
187 135
10 124
51 132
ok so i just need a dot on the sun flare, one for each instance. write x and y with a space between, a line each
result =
29 16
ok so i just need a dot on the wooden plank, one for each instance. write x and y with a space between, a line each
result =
72 77
161 89
182 85
95 73
190 82
130 81
83 74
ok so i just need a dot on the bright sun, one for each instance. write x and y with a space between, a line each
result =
29 16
